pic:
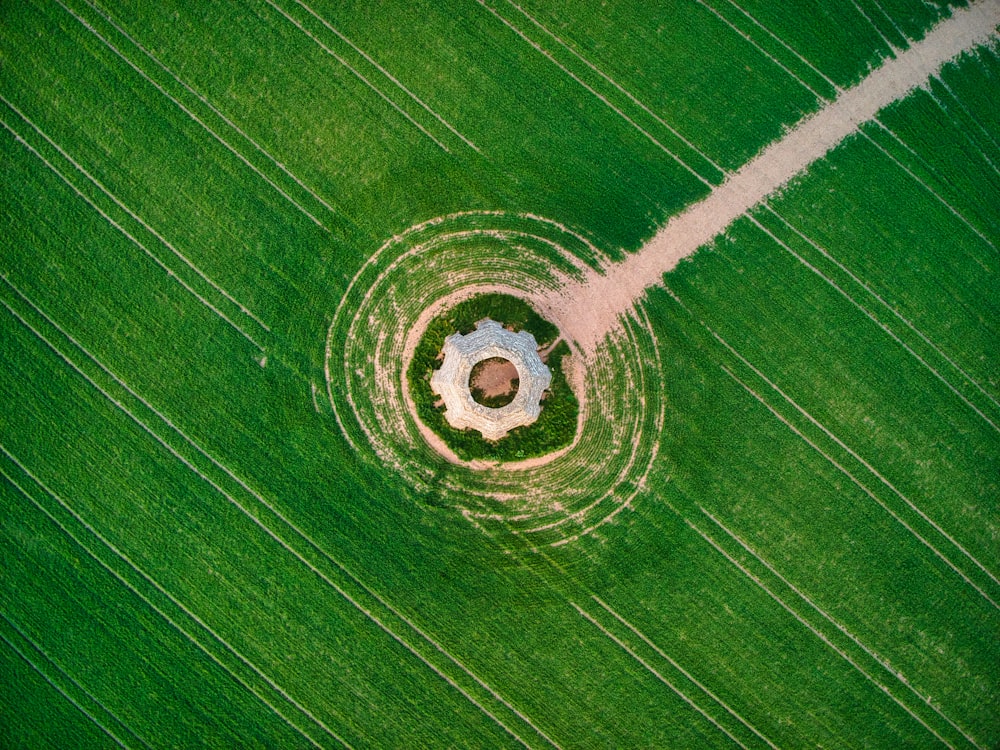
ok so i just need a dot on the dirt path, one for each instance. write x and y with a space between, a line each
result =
588 311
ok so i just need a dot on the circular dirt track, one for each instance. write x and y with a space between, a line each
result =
431 267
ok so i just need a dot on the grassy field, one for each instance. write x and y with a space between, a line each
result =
780 529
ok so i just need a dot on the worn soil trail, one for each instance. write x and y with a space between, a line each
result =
589 310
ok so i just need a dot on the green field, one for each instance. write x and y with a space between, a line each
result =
783 526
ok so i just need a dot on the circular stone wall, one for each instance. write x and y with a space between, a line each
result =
490 340
558 423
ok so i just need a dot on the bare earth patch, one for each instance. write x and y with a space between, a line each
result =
495 378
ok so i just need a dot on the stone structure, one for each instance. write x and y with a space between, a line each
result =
461 353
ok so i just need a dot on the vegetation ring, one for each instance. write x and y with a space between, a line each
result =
414 335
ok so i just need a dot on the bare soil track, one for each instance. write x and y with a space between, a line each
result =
589 310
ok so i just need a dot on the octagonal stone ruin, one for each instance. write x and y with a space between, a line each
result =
463 352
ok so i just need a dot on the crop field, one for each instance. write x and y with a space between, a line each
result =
224 227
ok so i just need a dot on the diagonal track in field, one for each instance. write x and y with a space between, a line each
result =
362 77
590 310
920 181
201 122
827 640
827 81
24 652
151 255
920 516
670 673
361 591
206 102
883 304
965 126
707 166
670 660
73 701
878 29
371 61
187 262
868 314
940 82
652 670
882 661
864 488
867 466
159 610
773 59
870 469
